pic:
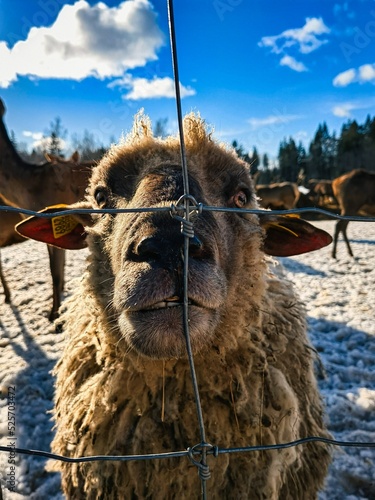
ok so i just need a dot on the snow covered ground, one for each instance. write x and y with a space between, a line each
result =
340 300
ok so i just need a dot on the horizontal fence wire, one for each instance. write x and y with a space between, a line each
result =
173 207
190 452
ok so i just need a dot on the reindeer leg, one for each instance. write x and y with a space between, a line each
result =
335 238
341 226
344 227
5 285
57 263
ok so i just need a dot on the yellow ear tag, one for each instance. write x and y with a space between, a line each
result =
62 225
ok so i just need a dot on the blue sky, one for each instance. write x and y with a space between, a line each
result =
257 70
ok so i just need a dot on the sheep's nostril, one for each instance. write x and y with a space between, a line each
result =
148 249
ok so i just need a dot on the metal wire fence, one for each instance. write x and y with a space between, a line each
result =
182 210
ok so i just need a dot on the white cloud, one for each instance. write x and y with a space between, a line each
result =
271 120
36 136
293 64
7 74
141 88
345 78
37 140
364 74
305 39
84 40
343 110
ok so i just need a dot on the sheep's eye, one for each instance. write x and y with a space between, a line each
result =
101 196
239 199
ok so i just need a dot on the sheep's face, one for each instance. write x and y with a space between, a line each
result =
137 269
146 250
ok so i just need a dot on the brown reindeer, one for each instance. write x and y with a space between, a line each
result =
58 159
8 236
321 191
278 196
355 193
33 186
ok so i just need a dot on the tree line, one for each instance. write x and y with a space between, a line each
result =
53 142
326 157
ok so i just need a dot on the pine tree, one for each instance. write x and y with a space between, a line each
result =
322 152
160 128
254 161
288 160
13 139
241 153
57 134
265 161
350 147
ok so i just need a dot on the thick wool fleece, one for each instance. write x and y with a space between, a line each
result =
255 378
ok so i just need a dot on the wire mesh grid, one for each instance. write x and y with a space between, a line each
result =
182 210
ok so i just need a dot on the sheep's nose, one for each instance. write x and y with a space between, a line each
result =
153 248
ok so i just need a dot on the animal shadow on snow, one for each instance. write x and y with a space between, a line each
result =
361 242
346 381
298 267
34 392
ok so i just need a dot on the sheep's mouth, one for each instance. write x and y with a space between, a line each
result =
174 301
157 330
166 303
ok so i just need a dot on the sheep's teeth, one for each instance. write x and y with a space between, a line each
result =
169 302
164 304
173 304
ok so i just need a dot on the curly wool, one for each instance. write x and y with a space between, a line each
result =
110 402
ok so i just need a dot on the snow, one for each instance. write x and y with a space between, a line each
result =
339 297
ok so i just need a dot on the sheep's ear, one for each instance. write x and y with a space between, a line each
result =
289 235
62 231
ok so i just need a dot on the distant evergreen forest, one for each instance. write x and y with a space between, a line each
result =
327 156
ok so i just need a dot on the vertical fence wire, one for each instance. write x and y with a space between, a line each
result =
203 467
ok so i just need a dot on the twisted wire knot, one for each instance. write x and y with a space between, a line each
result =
186 225
204 472
203 468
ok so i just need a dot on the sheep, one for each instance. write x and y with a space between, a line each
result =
123 383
